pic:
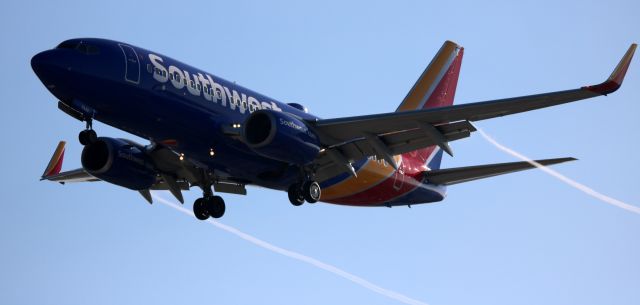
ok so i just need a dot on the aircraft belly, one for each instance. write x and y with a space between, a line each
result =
378 184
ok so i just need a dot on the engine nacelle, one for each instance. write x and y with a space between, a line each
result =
280 136
119 162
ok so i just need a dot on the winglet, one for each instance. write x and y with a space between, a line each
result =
55 165
617 76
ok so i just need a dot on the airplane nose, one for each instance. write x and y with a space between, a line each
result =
43 64
50 66
39 60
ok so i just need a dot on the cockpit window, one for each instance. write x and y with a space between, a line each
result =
87 48
80 46
69 44
93 49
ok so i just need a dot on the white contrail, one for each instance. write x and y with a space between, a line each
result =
303 258
587 190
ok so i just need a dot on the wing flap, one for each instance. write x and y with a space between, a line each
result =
400 142
451 176
397 143
410 140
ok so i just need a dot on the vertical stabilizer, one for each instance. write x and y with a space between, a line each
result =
435 88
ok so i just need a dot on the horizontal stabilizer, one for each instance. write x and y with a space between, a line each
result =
463 174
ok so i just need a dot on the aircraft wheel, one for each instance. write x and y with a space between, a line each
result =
311 191
199 209
87 136
215 206
295 195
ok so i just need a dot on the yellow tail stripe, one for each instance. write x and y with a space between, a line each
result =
369 175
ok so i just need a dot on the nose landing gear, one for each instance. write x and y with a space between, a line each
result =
88 135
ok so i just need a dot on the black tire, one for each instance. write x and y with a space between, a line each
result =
199 209
311 191
82 137
92 135
87 137
295 195
215 206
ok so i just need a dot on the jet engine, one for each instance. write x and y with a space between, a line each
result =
120 162
280 136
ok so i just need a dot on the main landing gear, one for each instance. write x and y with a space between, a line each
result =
208 206
88 135
307 191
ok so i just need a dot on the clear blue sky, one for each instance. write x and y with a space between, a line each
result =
518 239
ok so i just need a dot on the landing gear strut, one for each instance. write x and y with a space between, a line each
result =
88 135
308 190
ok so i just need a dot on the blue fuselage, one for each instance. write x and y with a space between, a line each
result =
165 101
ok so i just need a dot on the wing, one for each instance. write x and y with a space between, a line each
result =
175 173
384 135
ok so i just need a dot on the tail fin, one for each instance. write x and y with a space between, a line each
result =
436 87
55 164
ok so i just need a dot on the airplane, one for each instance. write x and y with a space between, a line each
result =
211 133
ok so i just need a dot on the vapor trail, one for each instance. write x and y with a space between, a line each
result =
303 258
587 190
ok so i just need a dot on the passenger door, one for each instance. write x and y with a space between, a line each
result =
132 66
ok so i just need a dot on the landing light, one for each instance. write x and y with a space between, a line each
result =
181 157
211 152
